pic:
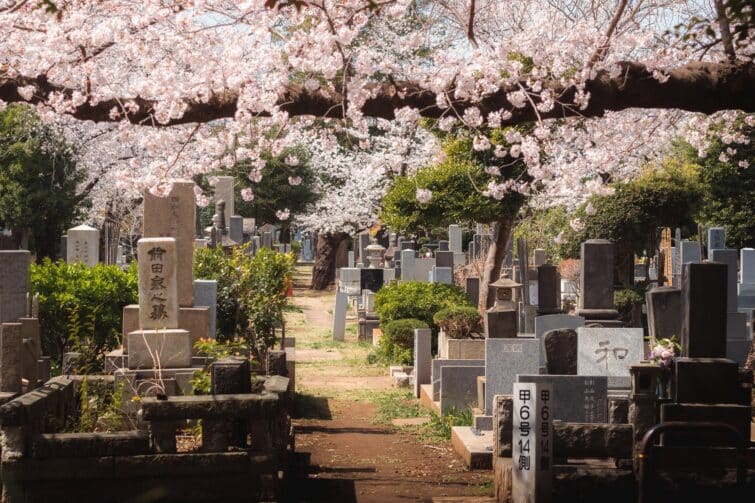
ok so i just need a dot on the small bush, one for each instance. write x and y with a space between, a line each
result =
417 300
459 322
625 300
397 343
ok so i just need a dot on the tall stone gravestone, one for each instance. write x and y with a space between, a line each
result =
690 252
746 287
609 352
504 359
407 265
83 245
206 295
174 216
548 290
224 191
716 239
737 336
664 308
532 443
454 238
704 302
422 358
158 343
596 280
236 228
14 284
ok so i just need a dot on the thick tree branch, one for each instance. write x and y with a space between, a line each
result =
696 87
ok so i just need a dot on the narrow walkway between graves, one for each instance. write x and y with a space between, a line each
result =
358 438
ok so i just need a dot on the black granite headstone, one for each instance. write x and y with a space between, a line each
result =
704 292
444 259
560 347
371 279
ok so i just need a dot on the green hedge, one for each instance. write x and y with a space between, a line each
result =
459 322
397 343
80 308
417 300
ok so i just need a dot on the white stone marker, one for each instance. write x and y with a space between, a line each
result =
158 292
532 445
83 245
339 316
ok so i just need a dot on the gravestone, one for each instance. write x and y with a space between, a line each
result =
716 239
690 252
504 359
443 246
540 257
596 280
351 258
371 279
267 240
444 275
609 352
664 308
704 303
83 245
206 295
407 265
364 242
224 192
560 349
458 387
444 259
473 290
236 228
577 399
14 284
550 322
437 364
422 268
158 292
63 253
350 280
175 216
548 289
532 445
454 238
747 264
422 358
728 257
339 316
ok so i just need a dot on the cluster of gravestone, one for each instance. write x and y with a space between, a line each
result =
245 421
562 403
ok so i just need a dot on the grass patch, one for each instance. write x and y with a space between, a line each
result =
439 427
395 404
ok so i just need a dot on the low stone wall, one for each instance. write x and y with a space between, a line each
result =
246 441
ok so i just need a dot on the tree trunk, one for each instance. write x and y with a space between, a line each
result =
324 269
494 261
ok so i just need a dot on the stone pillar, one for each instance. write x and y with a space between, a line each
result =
224 191
704 293
174 216
10 357
206 295
454 238
236 228
407 265
643 413
716 240
422 358
532 445
548 289
83 245
339 316
596 280
14 284
664 307
473 290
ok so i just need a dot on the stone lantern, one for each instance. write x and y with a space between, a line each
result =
502 320
374 253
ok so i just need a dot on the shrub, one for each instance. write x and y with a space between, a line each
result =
418 300
251 291
625 300
397 343
81 307
459 322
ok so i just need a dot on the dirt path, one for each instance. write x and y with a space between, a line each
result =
348 448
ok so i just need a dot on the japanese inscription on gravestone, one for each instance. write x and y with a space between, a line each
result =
158 296
532 444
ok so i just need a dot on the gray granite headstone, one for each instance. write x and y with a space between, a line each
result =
422 268
609 352
206 295
458 387
690 252
664 307
716 239
454 238
728 257
504 359
578 399
747 264
267 240
407 265
444 259
444 275
236 228
438 363
422 358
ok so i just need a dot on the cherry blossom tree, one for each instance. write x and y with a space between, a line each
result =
606 81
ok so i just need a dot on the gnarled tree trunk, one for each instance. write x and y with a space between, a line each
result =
494 261
324 269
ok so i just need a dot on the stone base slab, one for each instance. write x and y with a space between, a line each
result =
475 447
165 349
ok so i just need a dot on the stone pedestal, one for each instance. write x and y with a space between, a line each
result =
159 349
596 281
